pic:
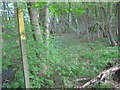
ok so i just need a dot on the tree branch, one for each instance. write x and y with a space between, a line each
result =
102 76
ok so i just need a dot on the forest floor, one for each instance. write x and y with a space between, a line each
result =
80 59
71 60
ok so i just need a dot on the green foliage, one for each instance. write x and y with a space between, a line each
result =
68 58
80 11
39 4
57 8
67 61
12 56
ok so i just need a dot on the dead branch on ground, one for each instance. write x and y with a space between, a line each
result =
102 76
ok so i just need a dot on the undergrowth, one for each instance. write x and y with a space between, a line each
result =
67 61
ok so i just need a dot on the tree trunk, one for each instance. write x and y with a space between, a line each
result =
52 25
98 32
46 24
1 45
98 28
16 16
5 18
34 22
41 15
86 24
75 20
69 15
110 35
23 46
119 25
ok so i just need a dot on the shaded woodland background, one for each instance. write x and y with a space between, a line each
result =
64 45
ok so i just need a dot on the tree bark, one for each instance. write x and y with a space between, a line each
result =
52 25
1 45
46 24
41 15
16 16
86 24
110 35
34 22
98 28
119 25
23 46
70 15
5 18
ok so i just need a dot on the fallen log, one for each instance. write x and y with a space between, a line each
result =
101 76
82 79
